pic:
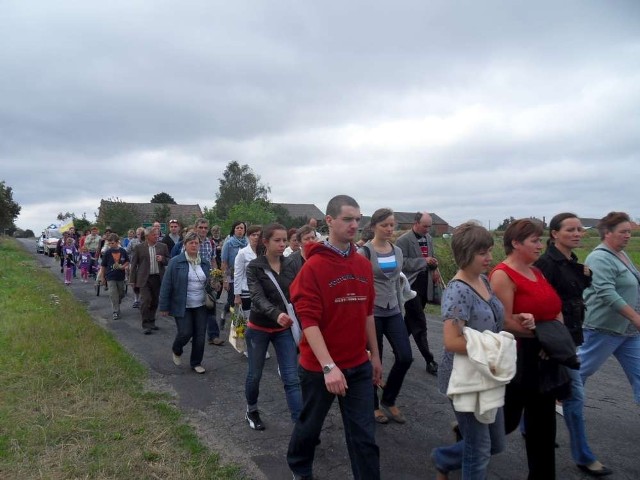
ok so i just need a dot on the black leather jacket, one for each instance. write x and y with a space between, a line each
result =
568 279
266 301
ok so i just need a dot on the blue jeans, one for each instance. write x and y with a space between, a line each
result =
573 410
257 343
356 408
599 346
396 332
192 325
472 454
213 330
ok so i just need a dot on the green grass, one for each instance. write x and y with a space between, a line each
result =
72 400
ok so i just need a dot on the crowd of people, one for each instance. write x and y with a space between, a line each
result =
519 338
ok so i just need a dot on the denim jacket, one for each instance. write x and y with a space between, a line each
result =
173 291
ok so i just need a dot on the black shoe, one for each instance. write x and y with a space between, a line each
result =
432 367
155 328
147 331
302 477
254 421
600 472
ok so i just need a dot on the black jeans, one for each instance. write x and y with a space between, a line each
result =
416 322
191 326
539 424
394 329
356 408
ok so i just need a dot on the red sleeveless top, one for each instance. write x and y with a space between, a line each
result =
538 298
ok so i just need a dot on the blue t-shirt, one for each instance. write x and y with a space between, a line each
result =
467 308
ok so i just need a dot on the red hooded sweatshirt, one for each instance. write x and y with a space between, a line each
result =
335 293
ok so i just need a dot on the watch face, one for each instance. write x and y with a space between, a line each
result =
326 369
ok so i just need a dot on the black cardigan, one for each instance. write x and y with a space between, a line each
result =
568 279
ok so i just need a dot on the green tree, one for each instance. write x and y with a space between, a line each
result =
81 223
505 223
163 197
258 212
9 210
118 215
162 213
238 184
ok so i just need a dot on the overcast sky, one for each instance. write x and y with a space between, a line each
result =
470 109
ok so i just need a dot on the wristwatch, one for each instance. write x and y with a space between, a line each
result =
327 368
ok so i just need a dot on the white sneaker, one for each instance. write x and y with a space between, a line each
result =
177 361
199 369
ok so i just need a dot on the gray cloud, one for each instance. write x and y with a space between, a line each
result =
470 109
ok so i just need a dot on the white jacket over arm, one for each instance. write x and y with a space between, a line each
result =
478 379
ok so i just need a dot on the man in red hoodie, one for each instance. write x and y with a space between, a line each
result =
333 296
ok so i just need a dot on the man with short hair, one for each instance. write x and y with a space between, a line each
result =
112 271
420 267
148 262
158 226
333 295
207 253
173 236
313 223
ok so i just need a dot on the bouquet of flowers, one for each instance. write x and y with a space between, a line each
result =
215 279
238 327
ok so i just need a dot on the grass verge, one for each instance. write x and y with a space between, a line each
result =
72 400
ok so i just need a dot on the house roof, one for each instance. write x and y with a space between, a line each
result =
308 210
146 211
589 222
404 218
407 217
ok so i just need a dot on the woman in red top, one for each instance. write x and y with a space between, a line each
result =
528 299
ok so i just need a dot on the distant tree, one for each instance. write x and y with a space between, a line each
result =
163 197
162 213
238 184
258 212
64 216
283 217
505 223
212 217
118 215
9 210
81 223
28 233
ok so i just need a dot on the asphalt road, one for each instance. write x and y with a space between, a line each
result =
214 403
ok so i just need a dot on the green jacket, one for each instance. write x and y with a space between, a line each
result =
613 286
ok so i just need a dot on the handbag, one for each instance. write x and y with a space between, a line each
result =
209 296
296 331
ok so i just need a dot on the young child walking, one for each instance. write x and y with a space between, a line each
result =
85 264
68 255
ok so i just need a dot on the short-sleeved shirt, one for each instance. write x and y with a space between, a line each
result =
109 258
466 307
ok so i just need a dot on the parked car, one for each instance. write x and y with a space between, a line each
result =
40 243
51 241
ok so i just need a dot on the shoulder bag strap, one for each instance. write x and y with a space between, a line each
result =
275 282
